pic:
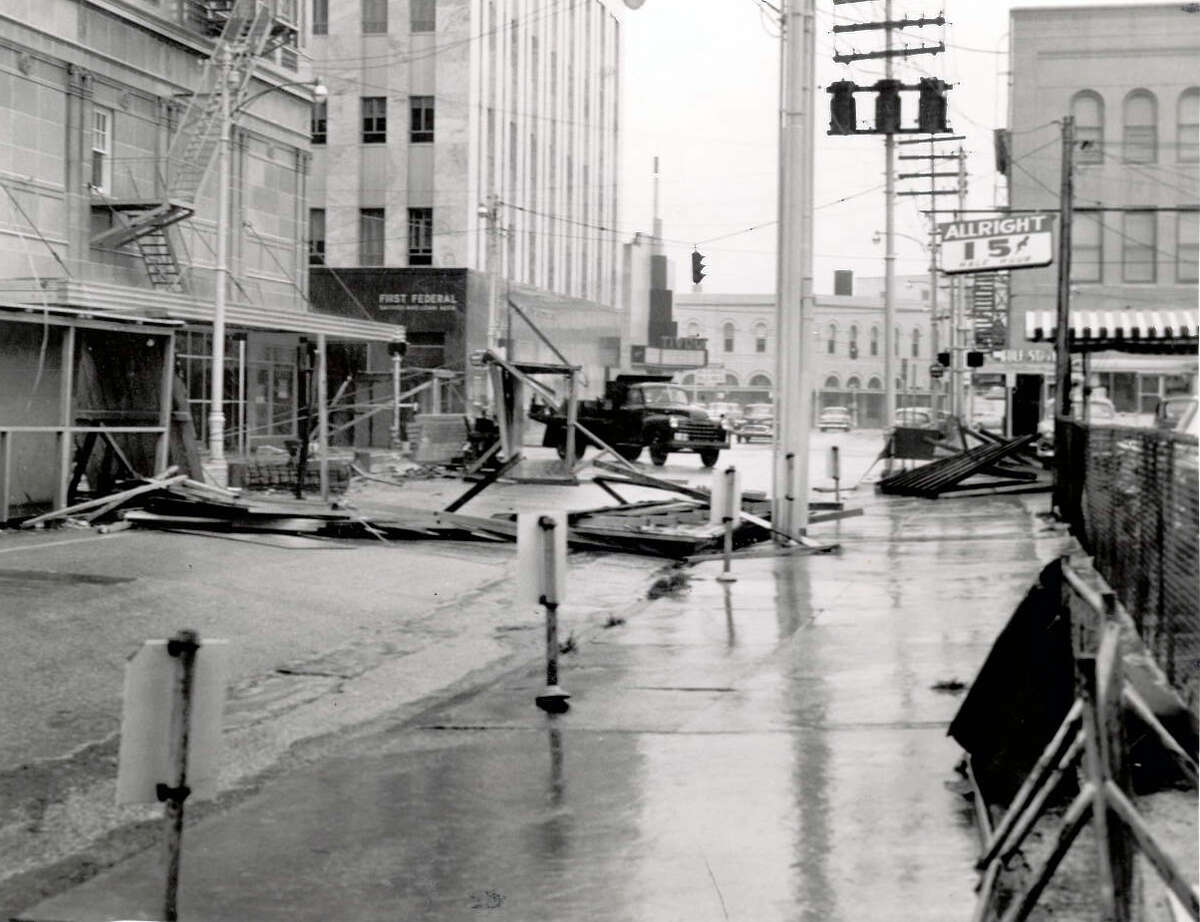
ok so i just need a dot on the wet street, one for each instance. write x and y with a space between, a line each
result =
770 749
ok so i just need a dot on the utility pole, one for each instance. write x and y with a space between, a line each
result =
793 298
1062 357
490 212
218 468
935 384
889 256
959 355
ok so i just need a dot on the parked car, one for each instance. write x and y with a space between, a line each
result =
988 413
1178 414
758 422
726 413
834 418
1100 412
915 418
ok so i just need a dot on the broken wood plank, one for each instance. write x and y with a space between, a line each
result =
483 484
111 501
833 515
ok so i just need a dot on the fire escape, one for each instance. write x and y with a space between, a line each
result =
244 30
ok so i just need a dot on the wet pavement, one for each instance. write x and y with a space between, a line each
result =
770 749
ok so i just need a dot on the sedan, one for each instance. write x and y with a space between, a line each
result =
834 418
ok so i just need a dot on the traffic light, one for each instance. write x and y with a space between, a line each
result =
697 267
931 109
887 106
843 118
398 347
944 359
974 359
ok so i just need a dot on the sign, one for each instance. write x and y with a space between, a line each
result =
533 564
419 301
710 377
936 370
989 311
1011 242
149 712
726 499
664 357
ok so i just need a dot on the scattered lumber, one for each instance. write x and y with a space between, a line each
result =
996 460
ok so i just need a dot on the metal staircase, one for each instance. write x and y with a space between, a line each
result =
246 29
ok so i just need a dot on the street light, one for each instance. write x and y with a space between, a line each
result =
218 467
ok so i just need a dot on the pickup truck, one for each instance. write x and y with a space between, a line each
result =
636 412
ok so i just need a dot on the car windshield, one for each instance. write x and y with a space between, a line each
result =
664 395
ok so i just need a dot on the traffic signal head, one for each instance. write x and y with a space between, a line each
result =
398 347
887 106
944 359
931 109
697 267
842 116
974 359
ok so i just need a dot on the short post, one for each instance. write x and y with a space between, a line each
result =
552 700
834 465
727 517
183 646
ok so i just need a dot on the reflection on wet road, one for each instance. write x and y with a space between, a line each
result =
769 750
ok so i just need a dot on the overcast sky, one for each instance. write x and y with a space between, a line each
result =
702 92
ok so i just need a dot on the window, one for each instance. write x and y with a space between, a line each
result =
760 381
1187 247
420 236
832 382
1141 128
853 382
760 337
874 340
102 122
420 128
853 342
425 349
693 330
370 236
1086 249
316 236
916 343
875 384
374 119
727 336
1088 109
1189 125
320 121
422 15
831 339
374 16
320 17
1138 246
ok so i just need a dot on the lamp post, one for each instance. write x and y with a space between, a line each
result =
218 468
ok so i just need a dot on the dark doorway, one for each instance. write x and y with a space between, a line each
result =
1026 404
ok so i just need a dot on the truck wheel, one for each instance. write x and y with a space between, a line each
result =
629 452
708 456
658 453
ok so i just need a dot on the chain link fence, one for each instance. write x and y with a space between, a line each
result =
1135 506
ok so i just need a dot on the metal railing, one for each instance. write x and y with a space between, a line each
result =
1133 500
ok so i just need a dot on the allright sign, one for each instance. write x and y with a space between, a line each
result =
1013 242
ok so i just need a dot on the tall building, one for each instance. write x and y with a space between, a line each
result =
111 123
447 121
1128 76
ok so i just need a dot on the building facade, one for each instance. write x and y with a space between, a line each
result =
449 120
108 209
1128 76
845 349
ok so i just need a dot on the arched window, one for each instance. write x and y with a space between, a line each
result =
832 382
731 379
727 336
1140 141
916 343
689 378
831 339
693 330
1088 109
760 381
874 340
853 383
853 341
875 385
1189 125
760 337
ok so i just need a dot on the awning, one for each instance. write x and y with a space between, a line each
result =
62 316
1133 330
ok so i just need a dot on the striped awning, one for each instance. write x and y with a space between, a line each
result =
1116 329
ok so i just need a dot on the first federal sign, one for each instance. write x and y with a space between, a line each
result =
1013 242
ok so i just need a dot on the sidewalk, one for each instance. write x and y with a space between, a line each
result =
774 749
